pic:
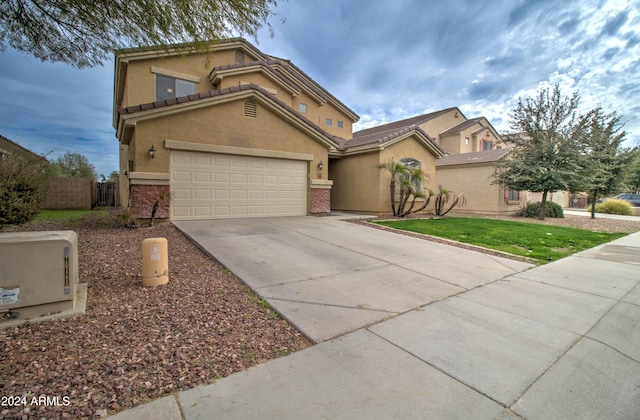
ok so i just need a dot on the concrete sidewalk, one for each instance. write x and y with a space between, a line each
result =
412 328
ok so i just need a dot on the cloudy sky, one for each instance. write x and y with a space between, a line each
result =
387 60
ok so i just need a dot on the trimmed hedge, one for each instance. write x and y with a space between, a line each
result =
615 206
552 210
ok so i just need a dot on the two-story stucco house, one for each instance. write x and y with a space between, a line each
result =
233 132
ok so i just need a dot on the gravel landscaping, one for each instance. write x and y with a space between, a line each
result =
136 344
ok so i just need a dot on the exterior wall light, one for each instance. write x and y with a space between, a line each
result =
152 152
320 165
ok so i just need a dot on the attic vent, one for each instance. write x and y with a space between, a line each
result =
239 57
250 109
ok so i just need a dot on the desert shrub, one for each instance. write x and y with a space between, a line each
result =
615 206
552 210
23 188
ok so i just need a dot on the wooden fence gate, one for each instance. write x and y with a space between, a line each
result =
106 194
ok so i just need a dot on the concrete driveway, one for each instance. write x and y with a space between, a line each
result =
413 329
329 277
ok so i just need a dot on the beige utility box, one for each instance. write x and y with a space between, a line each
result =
38 273
155 262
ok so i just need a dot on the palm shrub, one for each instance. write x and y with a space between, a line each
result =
443 197
552 210
406 186
615 206
23 188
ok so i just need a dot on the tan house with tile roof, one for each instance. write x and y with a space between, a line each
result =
233 132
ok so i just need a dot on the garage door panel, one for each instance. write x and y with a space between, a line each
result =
202 211
202 159
236 186
181 176
182 194
221 178
202 195
221 194
181 158
238 179
202 177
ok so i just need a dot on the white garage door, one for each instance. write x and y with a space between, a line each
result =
215 186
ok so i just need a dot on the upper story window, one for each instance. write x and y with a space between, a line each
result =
328 122
466 140
487 145
302 107
340 124
170 87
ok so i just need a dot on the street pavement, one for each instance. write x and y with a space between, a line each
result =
417 329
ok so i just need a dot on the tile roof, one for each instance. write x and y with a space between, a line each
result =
264 64
387 132
462 126
473 157
396 125
13 143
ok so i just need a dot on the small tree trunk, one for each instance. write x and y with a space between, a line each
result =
392 189
593 206
154 210
543 205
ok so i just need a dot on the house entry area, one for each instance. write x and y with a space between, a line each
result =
217 186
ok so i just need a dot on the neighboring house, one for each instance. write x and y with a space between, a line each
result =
472 148
9 147
234 132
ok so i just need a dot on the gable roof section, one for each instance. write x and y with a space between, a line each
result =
383 138
16 146
218 73
402 124
484 156
289 68
481 121
462 126
130 115
284 69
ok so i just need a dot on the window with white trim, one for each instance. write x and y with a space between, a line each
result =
171 87
302 107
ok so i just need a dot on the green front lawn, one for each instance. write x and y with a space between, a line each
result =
532 240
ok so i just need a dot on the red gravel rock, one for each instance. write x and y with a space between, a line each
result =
136 344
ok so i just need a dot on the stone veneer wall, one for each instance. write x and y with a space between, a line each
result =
320 201
144 196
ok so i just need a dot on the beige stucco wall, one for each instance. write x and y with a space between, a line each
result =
361 186
225 125
475 181
355 183
444 122
456 142
140 85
